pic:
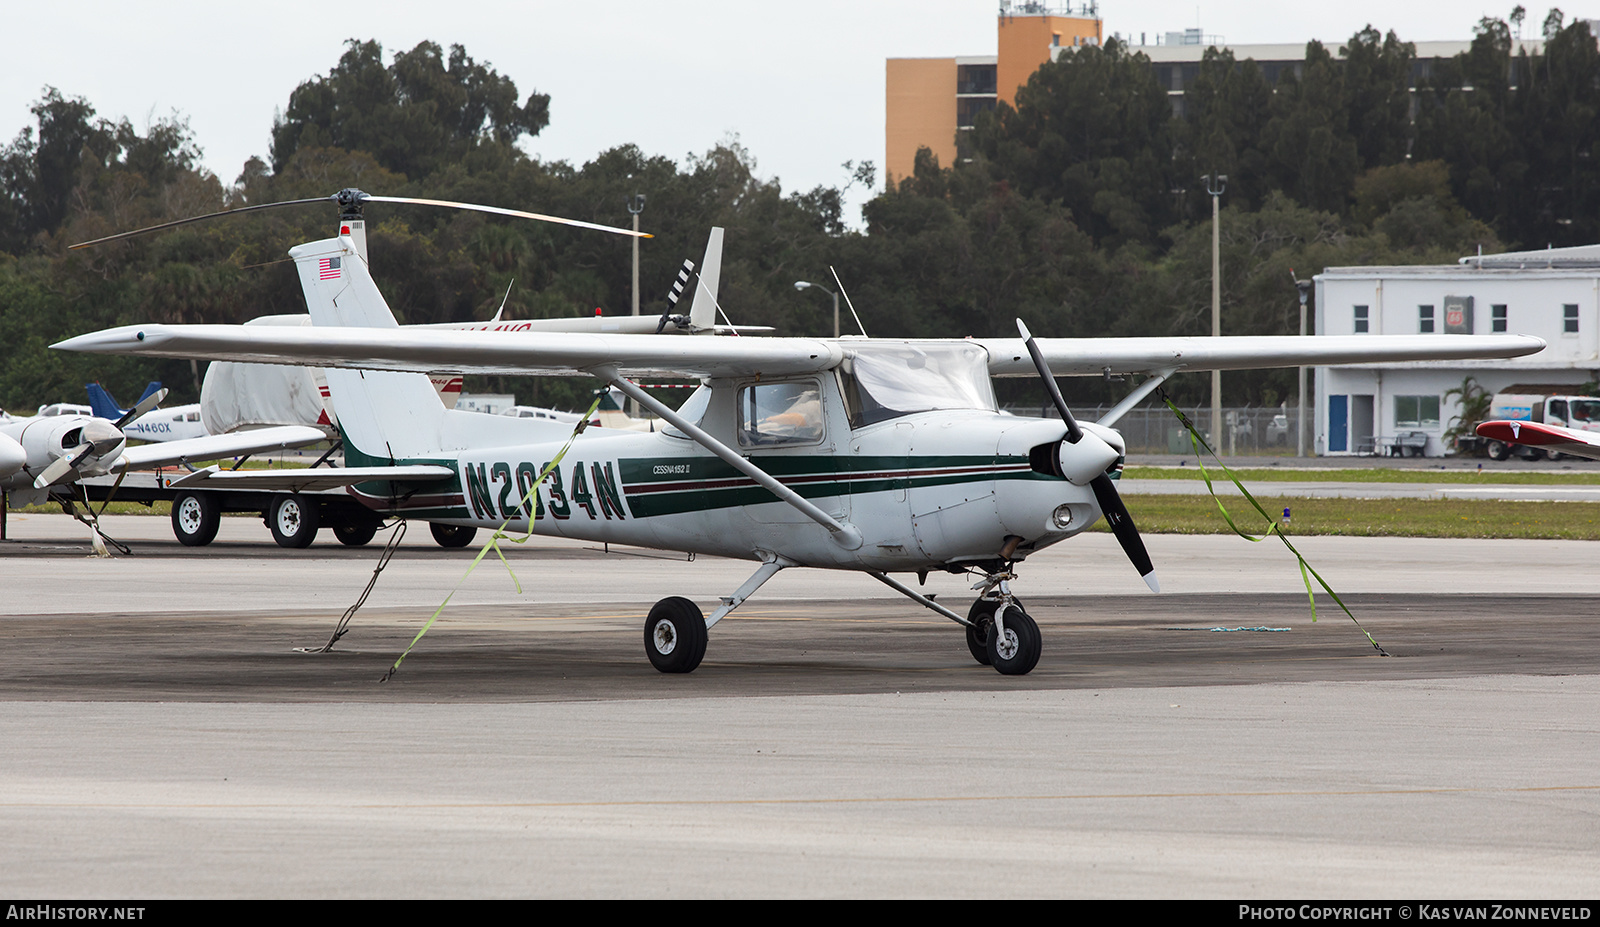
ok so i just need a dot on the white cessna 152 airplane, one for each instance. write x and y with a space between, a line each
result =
882 456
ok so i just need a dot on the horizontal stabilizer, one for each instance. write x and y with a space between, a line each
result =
308 479
257 441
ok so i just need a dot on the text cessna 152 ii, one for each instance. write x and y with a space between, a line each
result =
876 455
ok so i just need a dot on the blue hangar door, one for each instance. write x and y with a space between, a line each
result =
1338 423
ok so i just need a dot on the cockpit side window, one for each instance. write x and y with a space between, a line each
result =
780 414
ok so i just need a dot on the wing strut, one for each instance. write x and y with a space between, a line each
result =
848 536
1144 389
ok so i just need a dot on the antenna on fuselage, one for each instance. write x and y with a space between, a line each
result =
847 301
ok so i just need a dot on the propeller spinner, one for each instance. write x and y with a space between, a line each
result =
1083 460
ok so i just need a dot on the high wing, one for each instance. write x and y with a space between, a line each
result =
1548 437
566 354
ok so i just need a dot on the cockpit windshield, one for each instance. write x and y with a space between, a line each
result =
884 381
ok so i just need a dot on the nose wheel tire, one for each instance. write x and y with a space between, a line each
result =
1016 651
982 617
675 635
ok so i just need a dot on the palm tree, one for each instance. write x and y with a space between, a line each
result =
1475 402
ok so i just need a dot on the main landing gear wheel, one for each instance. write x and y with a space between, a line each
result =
1016 651
195 518
355 533
452 535
293 520
675 635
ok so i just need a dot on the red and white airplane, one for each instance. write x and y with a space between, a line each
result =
1545 437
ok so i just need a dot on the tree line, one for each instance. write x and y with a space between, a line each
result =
1080 209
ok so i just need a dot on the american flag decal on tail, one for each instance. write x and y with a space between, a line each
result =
328 268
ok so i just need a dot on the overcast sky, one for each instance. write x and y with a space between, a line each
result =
800 84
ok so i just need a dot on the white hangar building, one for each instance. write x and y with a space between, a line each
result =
1554 294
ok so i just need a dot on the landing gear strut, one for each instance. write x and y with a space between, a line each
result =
999 633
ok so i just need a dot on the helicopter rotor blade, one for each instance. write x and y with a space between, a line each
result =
496 210
178 222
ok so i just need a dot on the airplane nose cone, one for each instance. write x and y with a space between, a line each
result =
12 456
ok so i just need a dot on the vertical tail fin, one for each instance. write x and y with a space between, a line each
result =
102 403
703 311
384 416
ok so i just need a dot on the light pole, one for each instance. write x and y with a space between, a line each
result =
1215 184
1304 286
803 284
635 206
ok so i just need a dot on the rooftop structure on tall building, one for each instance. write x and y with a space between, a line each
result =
930 101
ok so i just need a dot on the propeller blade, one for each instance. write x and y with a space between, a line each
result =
62 465
505 212
1074 433
1121 523
1105 491
142 406
178 222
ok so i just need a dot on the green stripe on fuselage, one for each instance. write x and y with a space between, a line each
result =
836 476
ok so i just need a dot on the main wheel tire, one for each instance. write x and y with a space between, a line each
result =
675 635
355 533
1498 450
452 535
1015 652
196 516
293 520
1530 453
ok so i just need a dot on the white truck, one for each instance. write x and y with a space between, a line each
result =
1549 405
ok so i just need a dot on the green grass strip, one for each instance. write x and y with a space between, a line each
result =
1485 477
1405 518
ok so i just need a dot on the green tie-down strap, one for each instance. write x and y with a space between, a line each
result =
1274 527
500 534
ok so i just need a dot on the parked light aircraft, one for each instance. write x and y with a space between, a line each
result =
876 455
172 423
60 449
1548 438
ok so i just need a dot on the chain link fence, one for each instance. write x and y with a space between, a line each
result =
1153 429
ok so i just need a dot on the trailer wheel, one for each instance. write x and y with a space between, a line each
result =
195 518
293 520
1498 450
452 535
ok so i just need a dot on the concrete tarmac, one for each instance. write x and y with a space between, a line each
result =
165 739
